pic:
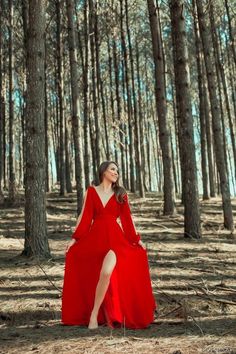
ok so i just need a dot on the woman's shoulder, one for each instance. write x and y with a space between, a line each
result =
90 187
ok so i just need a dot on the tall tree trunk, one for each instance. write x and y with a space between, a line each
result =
67 159
25 20
76 124
216 118
4 139
100 86
94 73
137 153
231 77
149 154
223 80
86 94
140 120
219 90
57 131
11 106
208 118
36 242
201 110
46 124
184 112
111 104
1 103
60 90
173 163
231 36
129 101
119 107
160 96
177 143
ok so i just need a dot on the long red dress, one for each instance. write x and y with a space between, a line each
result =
129 300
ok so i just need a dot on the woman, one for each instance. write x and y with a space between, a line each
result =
107 279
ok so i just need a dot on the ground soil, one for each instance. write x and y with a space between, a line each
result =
194 282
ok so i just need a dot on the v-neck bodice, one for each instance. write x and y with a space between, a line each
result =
104 206
95 214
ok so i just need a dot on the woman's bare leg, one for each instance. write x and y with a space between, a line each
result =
108 265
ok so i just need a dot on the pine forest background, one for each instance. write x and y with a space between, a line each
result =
150 85
116 91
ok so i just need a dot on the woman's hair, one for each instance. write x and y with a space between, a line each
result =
118 190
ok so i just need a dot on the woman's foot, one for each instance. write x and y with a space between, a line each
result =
93 323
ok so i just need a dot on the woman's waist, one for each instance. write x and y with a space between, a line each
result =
105 217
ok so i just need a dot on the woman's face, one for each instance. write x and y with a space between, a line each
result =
111 173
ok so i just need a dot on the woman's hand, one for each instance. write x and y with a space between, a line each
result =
71 243
142 244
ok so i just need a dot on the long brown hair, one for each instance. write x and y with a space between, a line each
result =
118 190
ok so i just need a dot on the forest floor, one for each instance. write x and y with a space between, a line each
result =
194 282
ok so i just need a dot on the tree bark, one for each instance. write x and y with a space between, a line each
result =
184 114
231 36
86 94
1 104
67 159
97 131
220 66
11 106
118 106
129 102
76 124
205 195
216 118
209 137
25 20
46 121
137 152
140 120
36 242
160 96
60 90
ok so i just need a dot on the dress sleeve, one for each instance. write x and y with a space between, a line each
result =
85 218
127 222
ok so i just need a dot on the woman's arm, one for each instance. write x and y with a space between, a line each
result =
85 217
127 222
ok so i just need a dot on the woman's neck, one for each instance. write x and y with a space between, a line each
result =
106 186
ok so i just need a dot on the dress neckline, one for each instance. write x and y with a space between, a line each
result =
104 206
